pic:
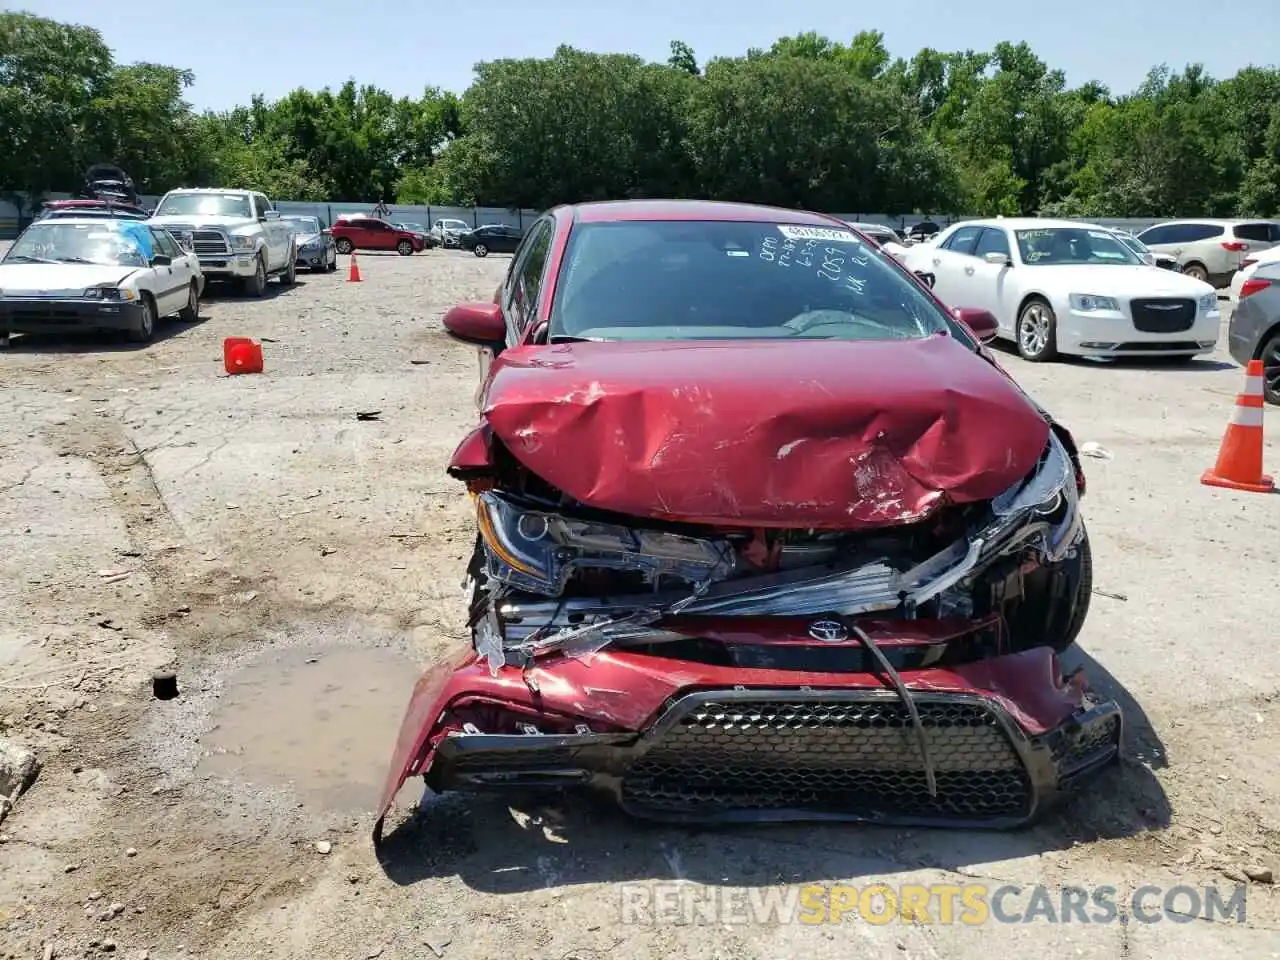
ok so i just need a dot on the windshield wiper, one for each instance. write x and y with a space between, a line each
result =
566 338
23 258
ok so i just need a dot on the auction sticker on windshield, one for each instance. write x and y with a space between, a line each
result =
817 233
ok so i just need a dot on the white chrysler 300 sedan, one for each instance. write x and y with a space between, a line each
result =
1060 287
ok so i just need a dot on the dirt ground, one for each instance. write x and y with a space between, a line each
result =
297 566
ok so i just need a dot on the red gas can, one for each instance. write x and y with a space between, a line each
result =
242 355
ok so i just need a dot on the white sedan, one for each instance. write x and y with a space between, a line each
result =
92 273
1059 287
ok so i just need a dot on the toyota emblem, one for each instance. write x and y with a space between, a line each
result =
830 631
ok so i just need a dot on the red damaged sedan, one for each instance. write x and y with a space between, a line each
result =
764 533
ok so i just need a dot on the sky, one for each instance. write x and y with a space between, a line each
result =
237 48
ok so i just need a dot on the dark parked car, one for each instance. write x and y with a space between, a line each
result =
494 238
923 230
362 232
764 533
316 248
1254 330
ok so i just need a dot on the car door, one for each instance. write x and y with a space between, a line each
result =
519 294
276 231
169 280
510 239
988 285
380 235
948 262
182 264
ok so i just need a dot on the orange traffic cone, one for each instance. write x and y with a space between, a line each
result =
354 276
1239 465
241 355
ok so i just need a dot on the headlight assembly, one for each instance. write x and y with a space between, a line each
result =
1045 504
1090 303
537 551
109 294
242 243
1209 302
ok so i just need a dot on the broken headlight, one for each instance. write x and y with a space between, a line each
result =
1044 506
537 551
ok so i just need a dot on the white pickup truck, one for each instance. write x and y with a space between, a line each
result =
237 235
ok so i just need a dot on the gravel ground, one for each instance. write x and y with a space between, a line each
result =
296 566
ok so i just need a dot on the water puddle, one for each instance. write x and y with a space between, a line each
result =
321 723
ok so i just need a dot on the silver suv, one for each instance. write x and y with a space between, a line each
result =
1209 249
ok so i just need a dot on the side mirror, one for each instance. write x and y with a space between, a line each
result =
161 260
271 215
928 278
479 324
981 323
1149 259
998 259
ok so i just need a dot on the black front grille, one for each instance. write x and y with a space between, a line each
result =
831 755
1163 315
50 314
209 242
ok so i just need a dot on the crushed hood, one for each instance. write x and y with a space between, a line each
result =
816 433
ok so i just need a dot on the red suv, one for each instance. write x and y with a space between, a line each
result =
362 232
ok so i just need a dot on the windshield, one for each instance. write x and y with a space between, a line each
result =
302 226
204 204
1055 246
705 280
110 244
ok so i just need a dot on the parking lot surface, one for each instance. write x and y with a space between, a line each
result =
290 545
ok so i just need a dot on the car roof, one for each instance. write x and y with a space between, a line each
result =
1028 223
617 211
212 190
97 221
83 202
1213 221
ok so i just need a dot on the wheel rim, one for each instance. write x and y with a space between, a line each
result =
1033 330
481 250
405 248
1271 366
1196 273
344 247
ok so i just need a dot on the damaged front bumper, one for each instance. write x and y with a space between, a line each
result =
673 740
725 700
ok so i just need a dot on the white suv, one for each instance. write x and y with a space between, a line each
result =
1211 249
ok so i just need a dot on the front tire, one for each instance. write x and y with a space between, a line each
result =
290 275
1037 332
404 248
481 250
333 264
191 312
145 329
1055 603
256 285
1270 357
345 246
